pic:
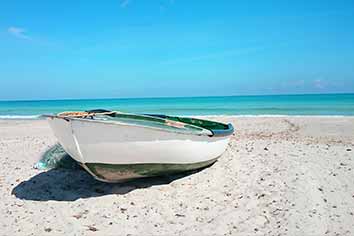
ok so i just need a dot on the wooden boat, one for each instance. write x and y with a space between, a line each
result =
115 146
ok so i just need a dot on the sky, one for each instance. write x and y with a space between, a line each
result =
171 48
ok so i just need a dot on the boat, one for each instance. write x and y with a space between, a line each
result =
114 146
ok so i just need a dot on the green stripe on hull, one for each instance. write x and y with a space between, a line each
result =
121 172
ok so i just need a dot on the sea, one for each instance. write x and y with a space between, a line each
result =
265 105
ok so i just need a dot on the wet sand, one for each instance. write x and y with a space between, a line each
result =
279 176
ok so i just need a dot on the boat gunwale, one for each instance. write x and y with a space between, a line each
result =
203 131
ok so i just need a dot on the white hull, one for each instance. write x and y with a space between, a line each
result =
116 151
89 141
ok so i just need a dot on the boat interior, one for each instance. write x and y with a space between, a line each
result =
216 128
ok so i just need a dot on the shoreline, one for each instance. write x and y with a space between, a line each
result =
174 97
38 117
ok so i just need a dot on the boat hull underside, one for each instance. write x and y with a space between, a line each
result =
123 172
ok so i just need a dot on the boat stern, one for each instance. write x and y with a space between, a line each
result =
62 130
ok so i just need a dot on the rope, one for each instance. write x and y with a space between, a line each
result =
78 114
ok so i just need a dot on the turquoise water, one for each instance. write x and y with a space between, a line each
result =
333 104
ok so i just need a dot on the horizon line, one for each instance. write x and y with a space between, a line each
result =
166 97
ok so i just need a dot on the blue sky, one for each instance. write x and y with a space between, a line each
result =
158 48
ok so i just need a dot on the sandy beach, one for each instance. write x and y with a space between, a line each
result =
279 176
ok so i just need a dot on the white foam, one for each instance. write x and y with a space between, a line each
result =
19 117
274 116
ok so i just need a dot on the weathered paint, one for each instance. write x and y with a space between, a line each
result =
122 172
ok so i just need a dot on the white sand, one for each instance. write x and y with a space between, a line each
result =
279 176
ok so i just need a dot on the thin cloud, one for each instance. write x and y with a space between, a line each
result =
124 3
18 32
319 84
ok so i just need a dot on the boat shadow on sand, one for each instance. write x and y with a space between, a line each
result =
70 182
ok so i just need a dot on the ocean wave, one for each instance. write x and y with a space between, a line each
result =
19 117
